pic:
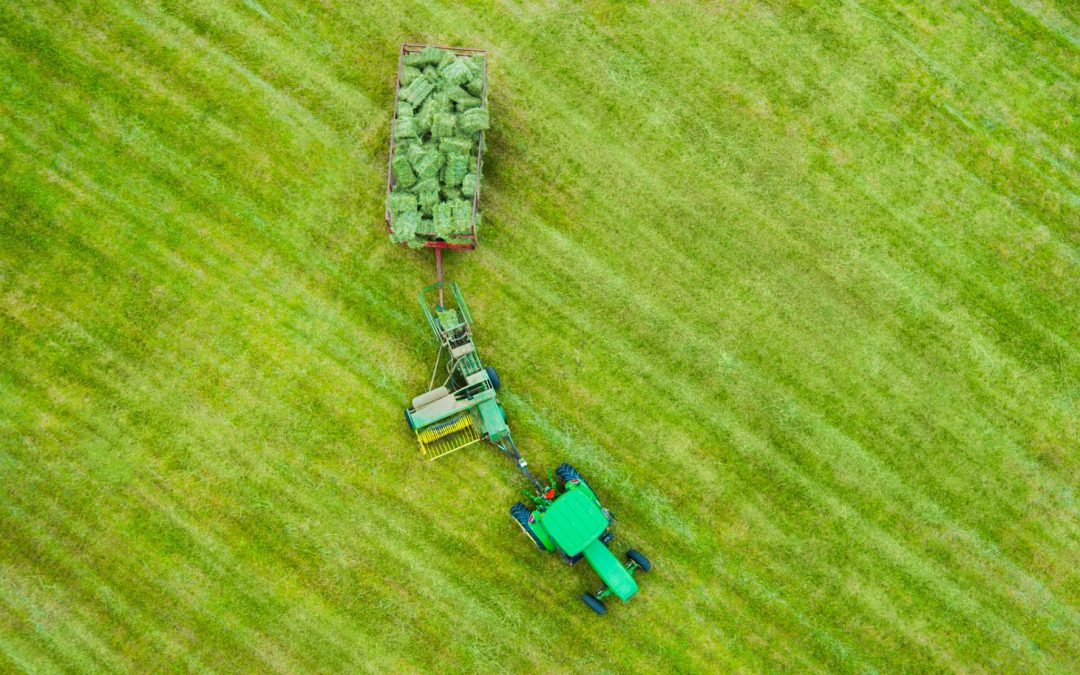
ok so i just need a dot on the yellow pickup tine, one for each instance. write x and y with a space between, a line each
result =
447 438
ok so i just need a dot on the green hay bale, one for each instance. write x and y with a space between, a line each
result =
424 57
462 216
446 61
450 193
456 73
431 75
443 125
456 93
426 185
456 144
475 86
468 103
444 219
424 117
416 92
426 228
474 120
408 74
401 148
428 200
468 185
403 173
457 165
440 103
401 201
404 128
475 64
403 225
429 165
415 153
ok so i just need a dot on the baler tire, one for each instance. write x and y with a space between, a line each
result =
496 384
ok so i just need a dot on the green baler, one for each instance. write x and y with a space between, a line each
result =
463 410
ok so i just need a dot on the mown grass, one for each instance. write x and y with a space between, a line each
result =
795 285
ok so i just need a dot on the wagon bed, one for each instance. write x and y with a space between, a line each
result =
409 48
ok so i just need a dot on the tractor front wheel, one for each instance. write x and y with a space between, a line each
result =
641 560
520 513
494 377
594 604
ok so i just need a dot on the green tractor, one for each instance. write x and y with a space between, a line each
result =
566 517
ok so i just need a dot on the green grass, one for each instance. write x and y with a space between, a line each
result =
796 285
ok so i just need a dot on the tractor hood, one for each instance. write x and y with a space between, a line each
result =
574 520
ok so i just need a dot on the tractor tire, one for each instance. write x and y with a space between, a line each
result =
520 513
641 560
408 420
568 473
496 384
594 604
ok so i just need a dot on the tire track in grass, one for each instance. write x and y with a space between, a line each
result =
664 519
37 618
652 311
587 331
45 547
698 331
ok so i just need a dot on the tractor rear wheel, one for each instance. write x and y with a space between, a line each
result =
520 513
594 604
568 473
641 560
408 420
494 377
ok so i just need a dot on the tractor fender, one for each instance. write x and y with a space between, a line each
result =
536 524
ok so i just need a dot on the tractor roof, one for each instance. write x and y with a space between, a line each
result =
574 520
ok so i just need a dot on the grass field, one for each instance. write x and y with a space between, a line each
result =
795 284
